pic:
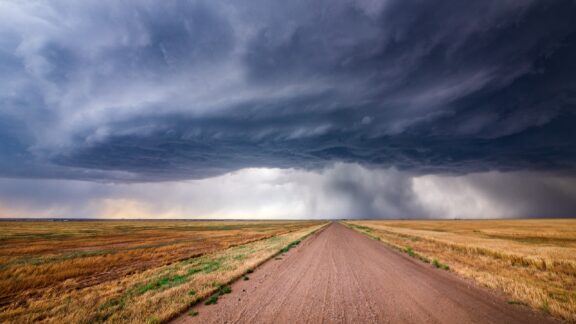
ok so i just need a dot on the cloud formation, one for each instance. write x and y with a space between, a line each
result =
111 90
135 92
340 191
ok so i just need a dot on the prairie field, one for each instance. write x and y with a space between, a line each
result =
531 262
128 271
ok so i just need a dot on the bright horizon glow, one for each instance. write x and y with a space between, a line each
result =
267 193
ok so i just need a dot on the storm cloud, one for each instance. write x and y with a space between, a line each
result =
340 191
440 95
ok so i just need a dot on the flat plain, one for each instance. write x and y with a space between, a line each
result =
127 271
532 262
453 271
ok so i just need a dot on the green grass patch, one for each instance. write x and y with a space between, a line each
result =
208 267
224 290
408 250
360 227
213 300
440 265
289 246
238 257
161 284
193 313
211 266
153 320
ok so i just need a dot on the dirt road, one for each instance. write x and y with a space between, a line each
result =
341 276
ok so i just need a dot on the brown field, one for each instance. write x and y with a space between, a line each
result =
127 271
532 262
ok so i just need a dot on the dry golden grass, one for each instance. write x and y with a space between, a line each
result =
127 271
533 262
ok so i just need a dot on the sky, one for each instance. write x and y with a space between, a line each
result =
287 109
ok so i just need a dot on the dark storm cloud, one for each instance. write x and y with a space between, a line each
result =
189 89
370 108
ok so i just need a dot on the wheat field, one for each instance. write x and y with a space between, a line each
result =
127 271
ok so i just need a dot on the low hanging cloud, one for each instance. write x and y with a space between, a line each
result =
340 191
497 195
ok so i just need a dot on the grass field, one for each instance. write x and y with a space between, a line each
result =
533 262
127 271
